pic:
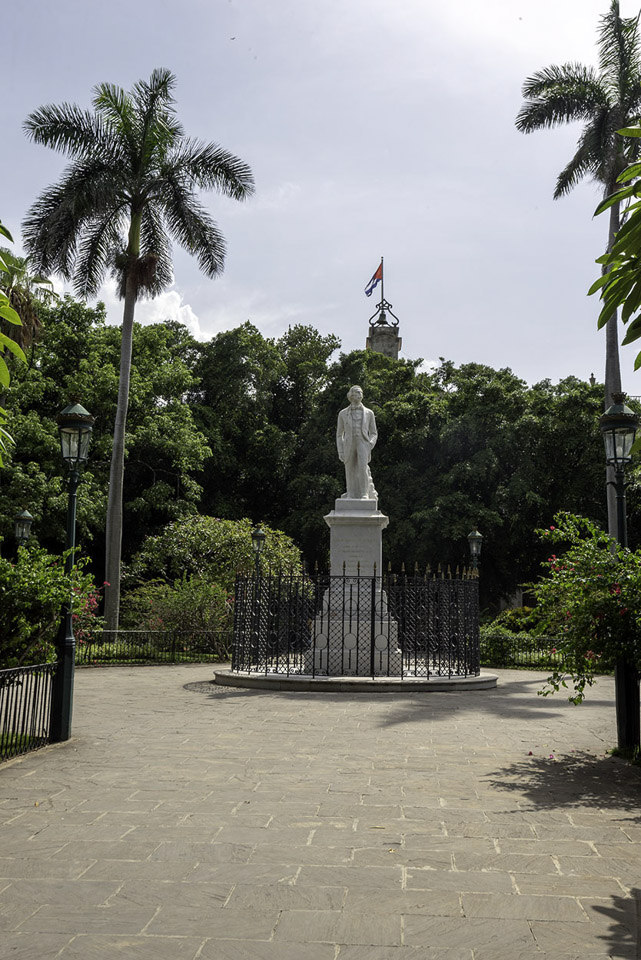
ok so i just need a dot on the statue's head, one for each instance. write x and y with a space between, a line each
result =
355 395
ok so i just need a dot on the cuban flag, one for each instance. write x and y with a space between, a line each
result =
378 276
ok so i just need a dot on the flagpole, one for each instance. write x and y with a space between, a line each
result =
382 285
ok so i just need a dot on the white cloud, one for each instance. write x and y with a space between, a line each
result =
168 305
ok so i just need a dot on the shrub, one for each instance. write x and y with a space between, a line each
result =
590 599
516 619
190 604
501 647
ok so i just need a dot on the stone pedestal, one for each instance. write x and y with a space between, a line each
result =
354 634
356 528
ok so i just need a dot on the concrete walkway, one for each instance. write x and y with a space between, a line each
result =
187 822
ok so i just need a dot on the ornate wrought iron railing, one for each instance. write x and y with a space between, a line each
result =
401 626
25 707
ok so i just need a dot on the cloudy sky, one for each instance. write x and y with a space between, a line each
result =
374 128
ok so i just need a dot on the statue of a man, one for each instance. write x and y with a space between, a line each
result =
355 438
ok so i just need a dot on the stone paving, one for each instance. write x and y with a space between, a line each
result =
185 821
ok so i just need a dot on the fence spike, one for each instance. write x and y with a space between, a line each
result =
403 567
375 568
439 572
449 572
428 571
315 566
358 568
457 575
389 566
416 568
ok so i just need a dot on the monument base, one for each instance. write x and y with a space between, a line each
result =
356 528
343 648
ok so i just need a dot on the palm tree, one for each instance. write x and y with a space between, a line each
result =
130 187
605 100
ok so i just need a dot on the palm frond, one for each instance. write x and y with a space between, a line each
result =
192 227
155 242
54 224
619 51
210 167
68 129
560 94
115 106
101 239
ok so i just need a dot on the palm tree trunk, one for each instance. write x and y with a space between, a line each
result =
612 370
116 475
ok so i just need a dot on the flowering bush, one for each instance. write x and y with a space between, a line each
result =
590 600
32 593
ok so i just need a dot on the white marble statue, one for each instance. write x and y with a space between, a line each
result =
355 438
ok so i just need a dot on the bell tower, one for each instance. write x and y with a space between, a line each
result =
383 332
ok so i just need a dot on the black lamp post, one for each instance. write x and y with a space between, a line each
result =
258 542
74 425
475 540
22 527
619 425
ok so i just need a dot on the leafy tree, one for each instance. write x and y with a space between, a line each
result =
131 186
165 450
210 549
254 403
605 100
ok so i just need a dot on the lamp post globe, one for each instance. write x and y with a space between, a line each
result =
475 540
22 527
258 542
74 426
619 426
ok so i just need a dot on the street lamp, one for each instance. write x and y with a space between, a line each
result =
74 426
475 540
619 426
22 527
258 542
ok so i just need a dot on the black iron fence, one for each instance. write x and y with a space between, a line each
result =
25 707
402 626
153 646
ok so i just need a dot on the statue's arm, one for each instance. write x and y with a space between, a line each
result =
340 438
373 433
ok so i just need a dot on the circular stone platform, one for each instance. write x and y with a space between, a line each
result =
278 681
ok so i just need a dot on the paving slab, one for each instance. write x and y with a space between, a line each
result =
185 820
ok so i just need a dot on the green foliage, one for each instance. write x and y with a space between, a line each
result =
515 619
165 450
620 284
590 599
32 593
189 604
502 647
7 316
209 549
